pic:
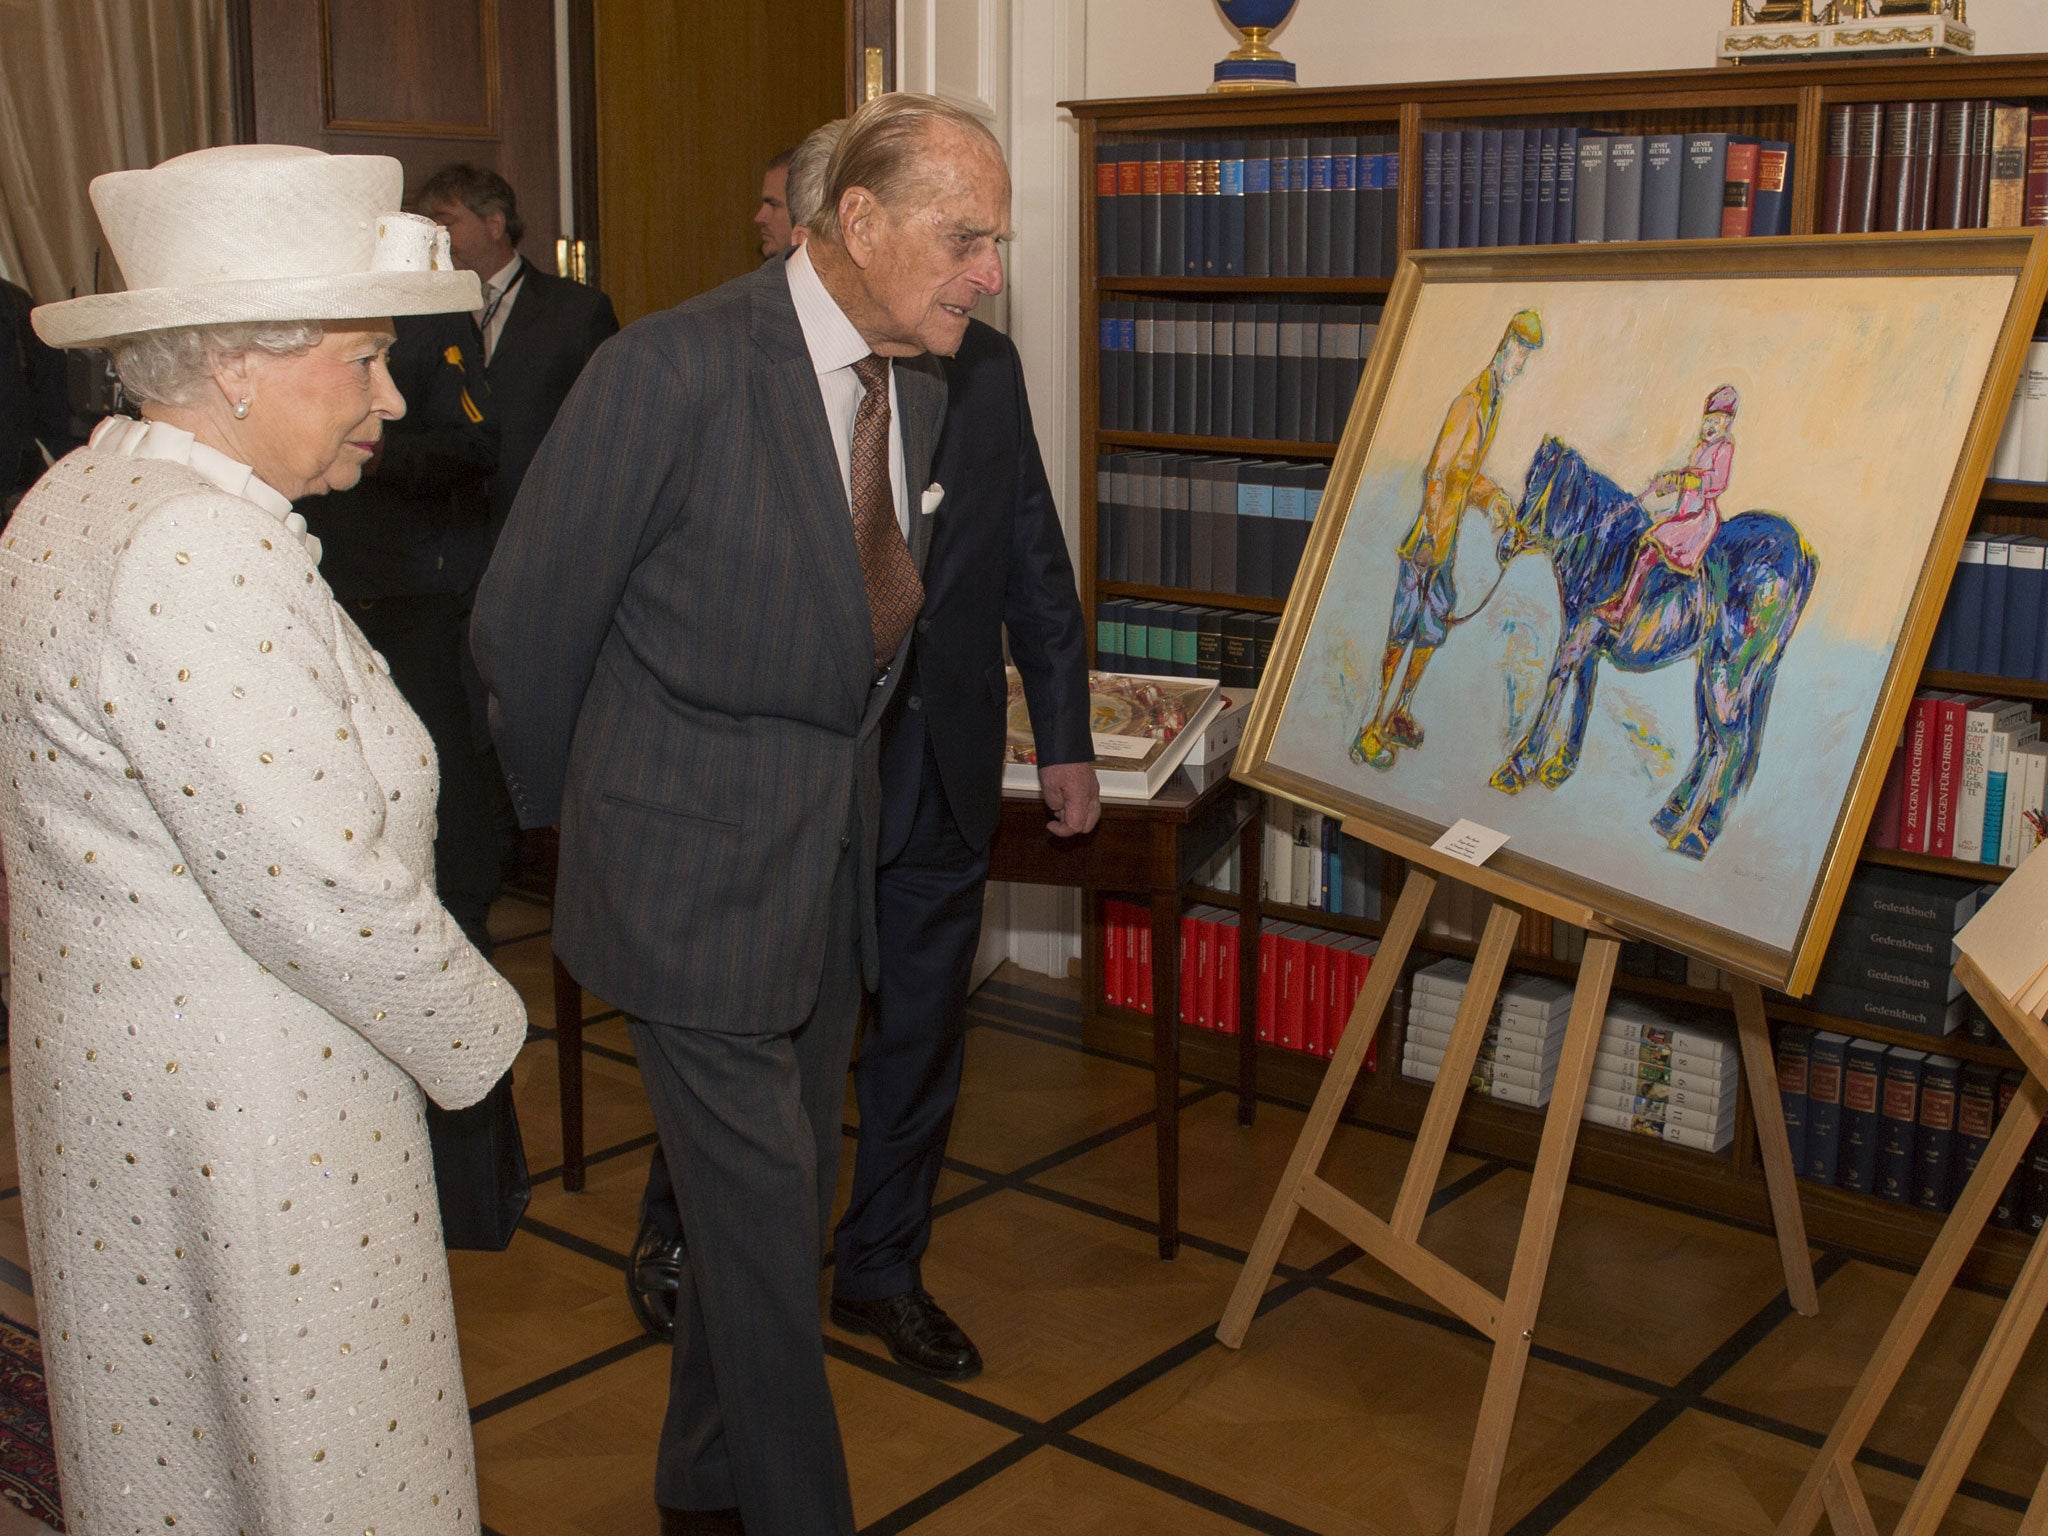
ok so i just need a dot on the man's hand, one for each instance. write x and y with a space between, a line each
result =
1072 795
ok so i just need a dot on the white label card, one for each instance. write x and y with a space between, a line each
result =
1107 745
1469 842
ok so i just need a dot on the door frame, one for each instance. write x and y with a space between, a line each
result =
870 24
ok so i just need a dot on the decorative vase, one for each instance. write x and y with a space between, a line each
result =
1253 66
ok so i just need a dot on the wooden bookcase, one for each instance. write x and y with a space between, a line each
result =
1778 101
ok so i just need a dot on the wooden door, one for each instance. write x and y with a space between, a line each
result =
693 99
428 84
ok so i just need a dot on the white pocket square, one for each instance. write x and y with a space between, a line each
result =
933 495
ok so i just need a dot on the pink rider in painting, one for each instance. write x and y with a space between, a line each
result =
1681 539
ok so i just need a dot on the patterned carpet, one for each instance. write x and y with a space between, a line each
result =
28 1463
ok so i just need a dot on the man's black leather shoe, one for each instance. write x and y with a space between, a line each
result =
917 1331
653 1277
701 1522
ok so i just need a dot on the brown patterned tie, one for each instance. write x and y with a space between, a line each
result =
894 591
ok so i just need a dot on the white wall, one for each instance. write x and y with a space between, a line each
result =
1161 47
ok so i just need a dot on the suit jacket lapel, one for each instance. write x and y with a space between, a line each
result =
921 397
806 469
528 313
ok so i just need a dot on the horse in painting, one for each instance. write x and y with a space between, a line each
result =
1736 614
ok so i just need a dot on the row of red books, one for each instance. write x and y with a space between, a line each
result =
1309 978
1967 781
1933 165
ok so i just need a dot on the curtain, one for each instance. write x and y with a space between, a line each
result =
88 86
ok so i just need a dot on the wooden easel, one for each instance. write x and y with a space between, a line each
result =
1510 1320
1830 1483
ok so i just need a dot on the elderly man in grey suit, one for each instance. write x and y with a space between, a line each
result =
691 628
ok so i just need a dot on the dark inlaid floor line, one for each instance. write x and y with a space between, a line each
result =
1664 1410
540 1386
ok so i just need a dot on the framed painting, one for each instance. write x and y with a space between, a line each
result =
1633 554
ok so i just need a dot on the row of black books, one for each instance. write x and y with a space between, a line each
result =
1571 185
1270 370
1204 522
1901 1124
1182 640
1900 165
1891 959
1307 207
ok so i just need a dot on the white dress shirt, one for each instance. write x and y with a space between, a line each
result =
835 346
493 286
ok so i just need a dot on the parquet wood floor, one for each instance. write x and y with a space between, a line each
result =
1671 1389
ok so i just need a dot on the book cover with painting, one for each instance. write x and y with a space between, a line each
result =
1143 727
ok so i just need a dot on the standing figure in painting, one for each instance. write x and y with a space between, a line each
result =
1680 540
1425 593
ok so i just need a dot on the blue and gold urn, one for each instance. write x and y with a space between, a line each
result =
1253 66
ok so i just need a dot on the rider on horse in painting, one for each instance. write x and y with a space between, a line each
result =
1425 595
1680 540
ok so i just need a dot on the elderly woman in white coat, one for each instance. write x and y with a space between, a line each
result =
232 980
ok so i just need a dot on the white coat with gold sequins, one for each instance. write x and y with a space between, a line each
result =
232 983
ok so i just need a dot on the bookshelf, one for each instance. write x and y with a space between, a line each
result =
1787 102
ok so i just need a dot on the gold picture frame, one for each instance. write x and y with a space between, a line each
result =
1873 375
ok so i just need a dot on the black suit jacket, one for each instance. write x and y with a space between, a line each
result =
998 559
420 525
553 328
675 633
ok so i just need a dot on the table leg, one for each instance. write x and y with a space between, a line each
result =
569 1073
1166 1062
1251 843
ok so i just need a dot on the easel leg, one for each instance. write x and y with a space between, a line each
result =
1454 1077
2035 1522
1923 1298
1760 1082
1964 1432
1539 1231
1329 1105
1848 1510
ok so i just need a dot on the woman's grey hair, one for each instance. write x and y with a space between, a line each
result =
170 367
807 166
883 147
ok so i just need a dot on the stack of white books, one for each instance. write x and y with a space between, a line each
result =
1655 1076
1517 1060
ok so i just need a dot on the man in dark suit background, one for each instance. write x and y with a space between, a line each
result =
695 620
403 552
35 411
537 330
998 561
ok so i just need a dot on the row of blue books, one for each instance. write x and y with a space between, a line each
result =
1321 206
1901 1124
1570 185
1997 606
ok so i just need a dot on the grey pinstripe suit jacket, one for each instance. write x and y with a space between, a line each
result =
675 634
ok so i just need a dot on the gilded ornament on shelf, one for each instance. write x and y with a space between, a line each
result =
1253 65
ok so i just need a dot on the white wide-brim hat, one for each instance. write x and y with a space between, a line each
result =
255 232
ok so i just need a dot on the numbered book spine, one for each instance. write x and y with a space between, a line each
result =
1940 1082
1828 1051
1793 1061
1901 1102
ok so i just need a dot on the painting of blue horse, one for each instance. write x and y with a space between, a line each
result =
1732 617
1669 565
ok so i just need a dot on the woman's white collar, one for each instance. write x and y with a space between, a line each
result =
160 440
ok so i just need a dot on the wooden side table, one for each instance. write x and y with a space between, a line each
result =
1150 849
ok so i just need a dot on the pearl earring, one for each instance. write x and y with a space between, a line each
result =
241 408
